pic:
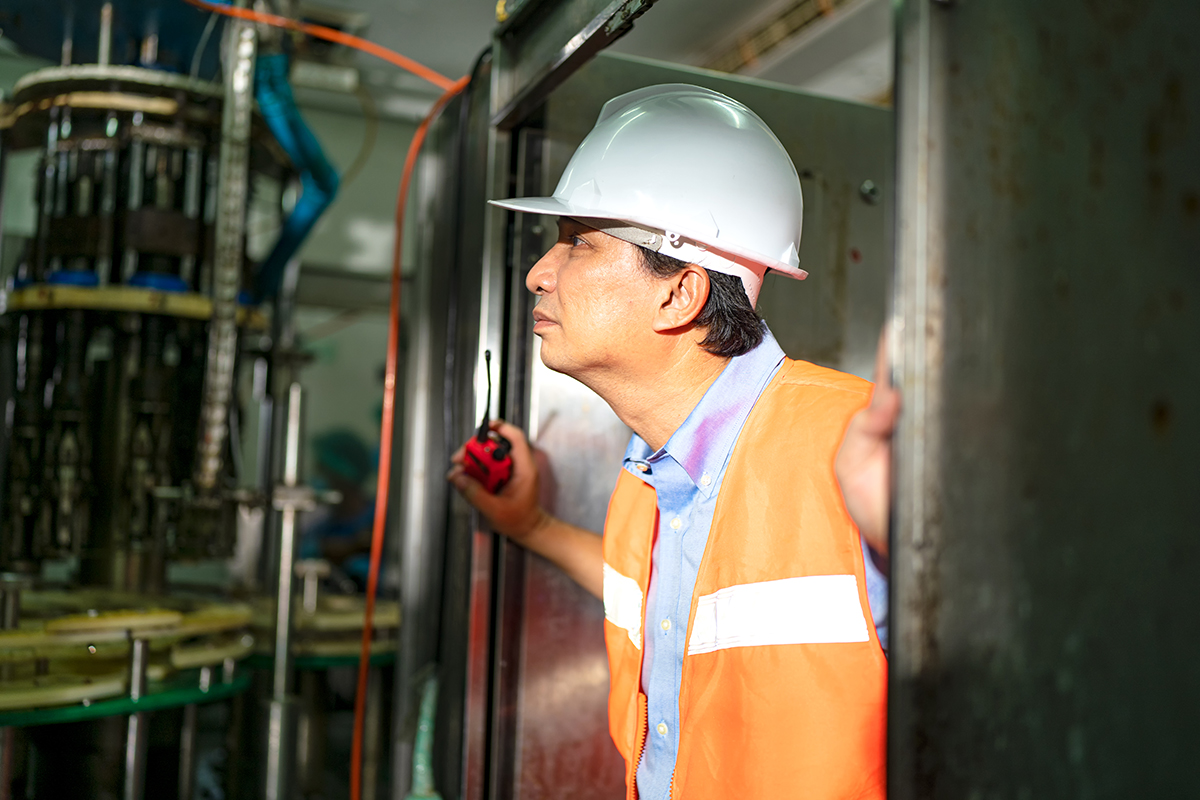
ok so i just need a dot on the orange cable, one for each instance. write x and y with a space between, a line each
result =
385 444
330 35
451 88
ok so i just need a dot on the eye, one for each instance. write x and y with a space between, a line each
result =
576 241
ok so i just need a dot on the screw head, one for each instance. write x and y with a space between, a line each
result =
869 192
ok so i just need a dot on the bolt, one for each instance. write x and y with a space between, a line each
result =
869 192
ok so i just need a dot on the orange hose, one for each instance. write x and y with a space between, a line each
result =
330 35
451 88
385 444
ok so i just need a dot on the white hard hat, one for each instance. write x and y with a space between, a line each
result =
698 173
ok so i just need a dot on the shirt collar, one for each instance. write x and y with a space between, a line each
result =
702 444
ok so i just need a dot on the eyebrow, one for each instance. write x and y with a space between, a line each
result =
567 223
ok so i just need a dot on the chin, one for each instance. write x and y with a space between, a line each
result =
553 363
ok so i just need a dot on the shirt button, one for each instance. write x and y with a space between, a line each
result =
666 624
705 480
676 523
641 467
662 729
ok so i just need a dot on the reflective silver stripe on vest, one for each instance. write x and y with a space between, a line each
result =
623 604
815 609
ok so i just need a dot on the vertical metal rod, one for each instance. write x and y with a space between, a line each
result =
68 42
206 678
307 770
62 177
108 206
312 586
105 48
187 740
281 749
187 753
191 204
135 738
3 168
149 53
8 740
10 618
287 550
137 182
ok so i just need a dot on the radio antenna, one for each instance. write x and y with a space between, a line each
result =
482 433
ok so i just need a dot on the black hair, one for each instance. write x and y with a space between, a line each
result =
731 325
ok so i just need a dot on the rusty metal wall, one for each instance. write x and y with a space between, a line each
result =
1044 633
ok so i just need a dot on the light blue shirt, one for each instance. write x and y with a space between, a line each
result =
686 475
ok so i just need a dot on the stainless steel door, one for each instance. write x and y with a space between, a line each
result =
1044 637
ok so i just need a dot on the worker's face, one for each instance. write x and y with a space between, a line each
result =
595 301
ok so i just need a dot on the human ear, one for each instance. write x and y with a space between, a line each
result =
684 296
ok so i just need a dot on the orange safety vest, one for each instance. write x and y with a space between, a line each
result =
784 683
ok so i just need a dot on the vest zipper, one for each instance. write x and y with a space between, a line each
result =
640 747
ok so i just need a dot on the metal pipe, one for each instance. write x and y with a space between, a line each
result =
105 45
191 205
281 750
187 739
3 169
312 585
135 738
206 678
187 753
8 740
68 42
287 549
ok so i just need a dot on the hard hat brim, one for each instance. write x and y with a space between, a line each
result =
555 207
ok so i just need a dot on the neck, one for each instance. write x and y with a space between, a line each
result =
655 398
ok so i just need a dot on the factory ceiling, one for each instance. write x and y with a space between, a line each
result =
841 47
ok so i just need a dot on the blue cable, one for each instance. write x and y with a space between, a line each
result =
318 179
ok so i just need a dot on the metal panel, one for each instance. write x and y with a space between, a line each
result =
535 52
425 537
1044 640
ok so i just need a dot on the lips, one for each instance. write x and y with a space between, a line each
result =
540 316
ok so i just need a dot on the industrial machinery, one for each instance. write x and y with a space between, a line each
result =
154 280
123 318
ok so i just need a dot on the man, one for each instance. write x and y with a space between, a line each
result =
744 655
342 534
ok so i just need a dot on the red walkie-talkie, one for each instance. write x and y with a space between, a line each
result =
487 459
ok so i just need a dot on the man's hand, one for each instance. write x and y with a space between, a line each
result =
514 510
863 464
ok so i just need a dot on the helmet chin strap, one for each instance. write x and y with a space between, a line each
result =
686 250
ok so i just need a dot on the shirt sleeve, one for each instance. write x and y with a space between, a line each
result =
877 594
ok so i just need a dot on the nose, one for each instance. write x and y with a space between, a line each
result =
543 276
